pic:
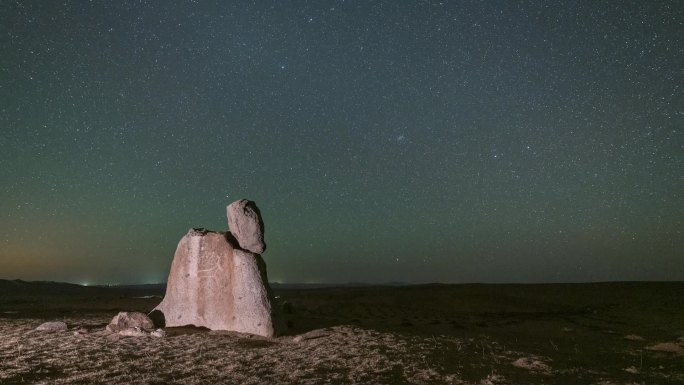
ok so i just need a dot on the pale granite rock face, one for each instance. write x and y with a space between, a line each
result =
214 285
252 297
246 225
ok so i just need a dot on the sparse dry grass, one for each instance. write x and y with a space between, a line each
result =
337 355
672 347
441 335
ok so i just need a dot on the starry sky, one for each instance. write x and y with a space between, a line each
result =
384 141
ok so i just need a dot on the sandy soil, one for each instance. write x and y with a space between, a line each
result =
473 334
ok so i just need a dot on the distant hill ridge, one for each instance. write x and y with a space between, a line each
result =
39 287
11 290
50 288
19 286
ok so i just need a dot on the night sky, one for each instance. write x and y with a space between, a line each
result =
412 141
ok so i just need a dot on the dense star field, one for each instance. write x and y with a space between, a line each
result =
414 141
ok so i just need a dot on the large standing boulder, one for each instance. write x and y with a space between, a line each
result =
218 286
246 225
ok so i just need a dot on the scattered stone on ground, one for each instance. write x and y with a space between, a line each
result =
246 225
634 337
133 332
53 326
671 347
532 364
318 333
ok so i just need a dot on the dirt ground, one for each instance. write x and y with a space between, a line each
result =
615 333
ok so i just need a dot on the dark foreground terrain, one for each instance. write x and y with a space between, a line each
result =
604 333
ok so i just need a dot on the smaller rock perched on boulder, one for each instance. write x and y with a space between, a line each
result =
246 225
130 320
54 326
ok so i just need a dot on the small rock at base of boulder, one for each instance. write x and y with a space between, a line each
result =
246 225
133 332
138 332
54 326
127 320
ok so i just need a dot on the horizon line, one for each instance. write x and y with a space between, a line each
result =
362 283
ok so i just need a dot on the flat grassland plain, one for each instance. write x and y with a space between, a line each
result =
598 333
